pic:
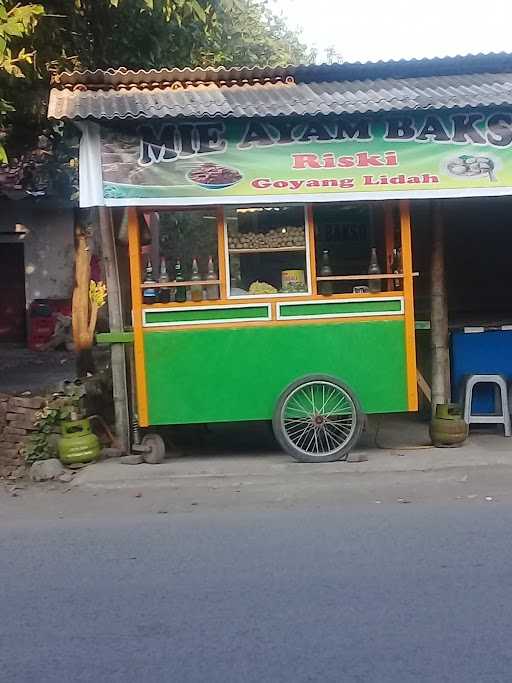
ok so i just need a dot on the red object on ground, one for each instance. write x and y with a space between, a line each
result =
42 315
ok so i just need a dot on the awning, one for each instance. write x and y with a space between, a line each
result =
423 128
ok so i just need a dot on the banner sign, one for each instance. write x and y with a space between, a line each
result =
308 159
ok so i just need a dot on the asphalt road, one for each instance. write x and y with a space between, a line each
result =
364 593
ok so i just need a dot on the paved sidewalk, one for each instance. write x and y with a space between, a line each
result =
267 464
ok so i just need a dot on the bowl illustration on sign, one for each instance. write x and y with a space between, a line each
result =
212 176
470 166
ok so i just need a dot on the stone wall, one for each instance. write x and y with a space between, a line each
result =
18 415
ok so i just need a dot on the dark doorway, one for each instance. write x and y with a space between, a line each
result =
12 293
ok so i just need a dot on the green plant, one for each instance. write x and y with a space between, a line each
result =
42 443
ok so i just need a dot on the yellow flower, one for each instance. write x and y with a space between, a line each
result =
97 293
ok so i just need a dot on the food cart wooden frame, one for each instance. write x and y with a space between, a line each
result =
245 358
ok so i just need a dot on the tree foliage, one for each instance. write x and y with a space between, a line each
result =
39 39
248 33
16 23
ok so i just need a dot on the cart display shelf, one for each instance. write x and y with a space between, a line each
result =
274 298
183 283
266 250
380 276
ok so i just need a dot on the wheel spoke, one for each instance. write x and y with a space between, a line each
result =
305 394
311 440
317 448
326 401
340 403
338 429
298 411
297 429
327 440
298 406
297 420
304 435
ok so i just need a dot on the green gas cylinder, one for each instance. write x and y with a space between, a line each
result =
78 443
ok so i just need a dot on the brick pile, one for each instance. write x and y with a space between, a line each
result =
18 415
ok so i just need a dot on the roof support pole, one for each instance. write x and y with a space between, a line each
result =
115 314
439 313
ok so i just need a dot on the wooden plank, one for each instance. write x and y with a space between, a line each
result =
410 332
115 315
184 283
385 276
266 250
278 323
221 253
310 227
439 313
138 337
389 229
423 385
114 337
283 298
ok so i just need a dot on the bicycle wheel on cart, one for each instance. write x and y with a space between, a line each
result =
318 418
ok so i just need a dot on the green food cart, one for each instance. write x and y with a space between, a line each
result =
269 337
264 285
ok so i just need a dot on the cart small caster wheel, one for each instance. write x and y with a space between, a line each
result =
154 449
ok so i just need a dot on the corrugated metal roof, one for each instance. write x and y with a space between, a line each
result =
304 73
269 99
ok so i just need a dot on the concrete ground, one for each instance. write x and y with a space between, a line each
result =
391 444
322 591
37 371
234 563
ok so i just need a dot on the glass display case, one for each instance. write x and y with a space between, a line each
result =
197 255
268 251
180 258
354 255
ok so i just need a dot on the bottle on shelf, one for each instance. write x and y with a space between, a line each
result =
196 291
374 285
396 268
324 286
212 291
236 276
181 292
165 292
149 294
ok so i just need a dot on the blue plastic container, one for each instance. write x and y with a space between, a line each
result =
480 353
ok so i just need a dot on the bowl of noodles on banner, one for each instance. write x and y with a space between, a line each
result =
211 176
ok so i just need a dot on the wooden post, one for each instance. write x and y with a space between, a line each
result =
439 314
138 337
310 227
221 254
389 236
115 314
408 287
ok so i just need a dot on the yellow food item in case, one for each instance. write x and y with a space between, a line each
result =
261 288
